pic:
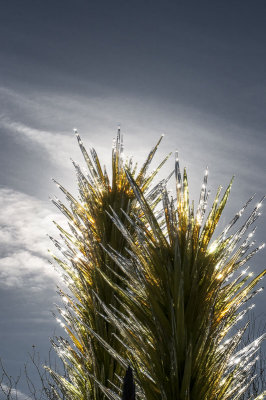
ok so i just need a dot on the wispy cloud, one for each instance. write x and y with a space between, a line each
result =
200 138
58 146
25 222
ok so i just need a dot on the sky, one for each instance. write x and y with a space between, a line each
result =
192 70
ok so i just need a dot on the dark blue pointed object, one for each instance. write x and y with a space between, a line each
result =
128 385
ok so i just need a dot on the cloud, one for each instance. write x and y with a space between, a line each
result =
22 266
24 114
201 138
46 120
13 393
25 222
58 146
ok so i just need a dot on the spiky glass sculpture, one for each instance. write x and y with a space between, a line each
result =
85 260
184 296
156 293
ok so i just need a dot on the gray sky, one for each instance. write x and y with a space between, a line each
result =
192 70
